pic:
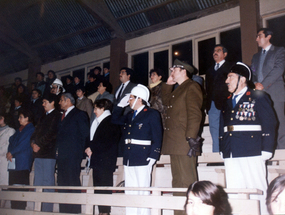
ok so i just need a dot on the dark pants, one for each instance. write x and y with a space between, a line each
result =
19 177
69 175
103 177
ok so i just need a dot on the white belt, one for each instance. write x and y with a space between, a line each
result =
242 128
138 142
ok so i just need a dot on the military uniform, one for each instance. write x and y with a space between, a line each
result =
143 138
247 133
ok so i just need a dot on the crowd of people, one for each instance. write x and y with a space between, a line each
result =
59 124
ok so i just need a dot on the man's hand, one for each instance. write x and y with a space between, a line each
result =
35 147
88 152
124 101
9 156
195 146
259 86
170 81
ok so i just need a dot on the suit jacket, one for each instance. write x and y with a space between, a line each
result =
273 72
71 136
21 149
45 135
216 87
183 116
127 90
253 108
37 109
104 145
145 126
85 104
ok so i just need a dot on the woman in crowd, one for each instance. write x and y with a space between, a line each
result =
83 103
20 153
155 92
5 133
102 148
205 198
51 77
105 89
275 200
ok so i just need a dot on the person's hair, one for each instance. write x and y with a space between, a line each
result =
8 119
98 68
104 103
51 71
92 75
211 194
40 73
225 50
69 96
23 86
51 98
82 88
266 31
38 91
77 76
108 85
19 99
275 187
27 113
18 79
158 71
128 71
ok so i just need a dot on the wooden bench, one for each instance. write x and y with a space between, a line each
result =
160 198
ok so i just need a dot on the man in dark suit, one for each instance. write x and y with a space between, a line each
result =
36 105
43 143
143 138
217 92
268 70
73 131
247 133
120 92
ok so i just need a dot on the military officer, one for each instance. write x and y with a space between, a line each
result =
247 133
143 137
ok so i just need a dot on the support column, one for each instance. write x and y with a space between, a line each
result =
250 22
34 67
118 59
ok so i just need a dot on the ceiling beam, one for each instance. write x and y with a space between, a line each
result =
11 37
179 20
67 36
100 10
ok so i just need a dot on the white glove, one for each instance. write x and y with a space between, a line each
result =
124 101
151 161
265 155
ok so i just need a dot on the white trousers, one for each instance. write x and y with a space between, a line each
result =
247 172
137 176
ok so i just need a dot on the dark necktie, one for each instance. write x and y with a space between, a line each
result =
217 66
121 91
134 115
234 100
63 115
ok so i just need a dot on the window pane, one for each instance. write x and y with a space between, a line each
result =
205 49
140 66
161 62
183 52
232 41
277 25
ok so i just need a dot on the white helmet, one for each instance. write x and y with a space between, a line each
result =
59 84
142 92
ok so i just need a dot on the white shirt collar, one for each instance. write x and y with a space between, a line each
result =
68 110
240 94
140 109
221 63
50 111
267 48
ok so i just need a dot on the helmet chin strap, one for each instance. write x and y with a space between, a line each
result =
57 91
134 103
237 84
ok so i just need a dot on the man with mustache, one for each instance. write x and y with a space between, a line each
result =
216 90
247 133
